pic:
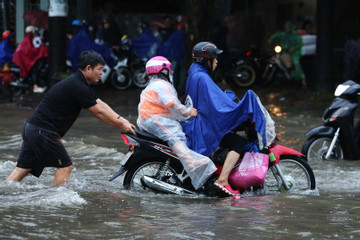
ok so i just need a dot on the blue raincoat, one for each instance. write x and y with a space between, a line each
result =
82 42
218 114
174 47
146 44
6 53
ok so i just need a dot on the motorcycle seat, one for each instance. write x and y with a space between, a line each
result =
148 136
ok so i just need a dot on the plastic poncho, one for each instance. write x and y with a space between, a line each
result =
82 42
218 114
26 55
159 113
6 53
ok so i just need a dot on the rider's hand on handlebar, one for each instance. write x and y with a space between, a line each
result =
193 112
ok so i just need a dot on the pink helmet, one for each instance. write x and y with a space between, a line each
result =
156 64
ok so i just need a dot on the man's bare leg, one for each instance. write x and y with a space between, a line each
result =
18 174
62 175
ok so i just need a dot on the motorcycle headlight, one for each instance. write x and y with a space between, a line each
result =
341 89
277 49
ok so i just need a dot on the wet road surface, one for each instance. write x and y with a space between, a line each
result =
91 207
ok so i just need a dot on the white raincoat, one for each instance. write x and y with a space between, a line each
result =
159 114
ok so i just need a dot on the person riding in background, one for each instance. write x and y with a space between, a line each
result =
30 53
218 114
159 112
53 117
291 44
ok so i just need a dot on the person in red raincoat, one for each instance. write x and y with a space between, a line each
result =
26 55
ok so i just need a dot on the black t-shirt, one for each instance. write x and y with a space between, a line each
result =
62 104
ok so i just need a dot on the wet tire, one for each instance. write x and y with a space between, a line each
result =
121 78
244 75
139 78
269 74
315 149
297 172
151 168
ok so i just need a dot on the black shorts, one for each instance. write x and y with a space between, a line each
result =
41 148
233 142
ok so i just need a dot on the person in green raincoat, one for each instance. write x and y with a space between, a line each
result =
291 44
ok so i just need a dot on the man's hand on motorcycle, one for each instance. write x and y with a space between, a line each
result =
127 126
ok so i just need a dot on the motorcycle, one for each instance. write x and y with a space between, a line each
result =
338 138
246 66
151 165
18 85
277 65
119 76
135 64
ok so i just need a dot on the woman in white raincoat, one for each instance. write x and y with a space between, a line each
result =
159 114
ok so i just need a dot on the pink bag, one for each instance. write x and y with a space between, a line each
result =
250 172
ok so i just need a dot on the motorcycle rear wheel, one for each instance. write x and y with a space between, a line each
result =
297 173
315 149
147 167
244 75
140 79
121 78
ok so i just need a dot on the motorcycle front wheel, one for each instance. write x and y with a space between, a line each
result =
121 78
268 74
154 168
244 75
315 149
298 174
140 79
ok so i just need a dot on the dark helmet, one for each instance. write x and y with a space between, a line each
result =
205 50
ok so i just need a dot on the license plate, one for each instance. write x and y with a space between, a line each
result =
125 158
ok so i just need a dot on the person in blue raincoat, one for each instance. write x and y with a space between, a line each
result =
6 53
80 42
218 114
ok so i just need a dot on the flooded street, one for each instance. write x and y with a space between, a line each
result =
91 207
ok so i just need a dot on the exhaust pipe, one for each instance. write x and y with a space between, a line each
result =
164 187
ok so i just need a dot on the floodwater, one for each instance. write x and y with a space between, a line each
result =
91 207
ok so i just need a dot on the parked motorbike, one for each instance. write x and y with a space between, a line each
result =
119 76
246 66
338 138
18 86
276 65
135 64
151 165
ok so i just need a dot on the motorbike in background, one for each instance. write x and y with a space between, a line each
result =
135 64
119 76
337 138
277 64
17 86
246 66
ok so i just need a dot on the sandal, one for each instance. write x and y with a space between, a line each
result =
227 189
